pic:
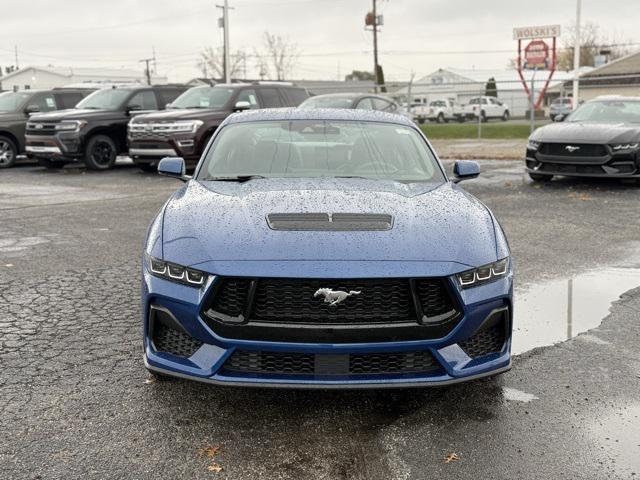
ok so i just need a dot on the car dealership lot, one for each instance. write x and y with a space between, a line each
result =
77 401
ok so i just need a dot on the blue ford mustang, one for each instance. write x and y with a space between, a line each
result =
325 248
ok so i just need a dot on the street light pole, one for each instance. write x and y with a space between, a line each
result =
375 47
227 73
576 57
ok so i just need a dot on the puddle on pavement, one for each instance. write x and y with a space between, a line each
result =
557 310
617 434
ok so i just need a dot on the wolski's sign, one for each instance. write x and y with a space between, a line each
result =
541 31
536 55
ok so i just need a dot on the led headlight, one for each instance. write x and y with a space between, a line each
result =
70 125
618 147
533 145
484 274
176 273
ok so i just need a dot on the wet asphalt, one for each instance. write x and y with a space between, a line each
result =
76 401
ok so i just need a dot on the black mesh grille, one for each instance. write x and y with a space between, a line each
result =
174 341
270 362
247 361
231 296
434 297
381 363
573 149
484 342
370 301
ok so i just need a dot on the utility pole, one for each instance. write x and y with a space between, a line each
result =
15 48
576 57
225 27
375 47
155 65
146 70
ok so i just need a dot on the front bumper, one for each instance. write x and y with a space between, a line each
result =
209 360
609 165
61 146
151 150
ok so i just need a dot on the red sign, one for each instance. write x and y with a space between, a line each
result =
536 55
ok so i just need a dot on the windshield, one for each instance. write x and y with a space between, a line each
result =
203 97
11 101
610 111
320 148
108 99
327 102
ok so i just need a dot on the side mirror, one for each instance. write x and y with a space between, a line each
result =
241 106
558 118
31 109
168 105
465 170
173 167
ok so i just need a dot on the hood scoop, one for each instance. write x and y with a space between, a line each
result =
330 222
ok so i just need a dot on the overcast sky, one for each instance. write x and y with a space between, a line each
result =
416 36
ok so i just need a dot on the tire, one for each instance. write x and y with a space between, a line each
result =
540 178
8 152
440 118
461 119
50 164
100 153
505 116
483 117
421 121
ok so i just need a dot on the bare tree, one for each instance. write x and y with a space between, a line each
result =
279 54
211 62
591 43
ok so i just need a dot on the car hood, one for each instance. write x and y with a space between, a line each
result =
226 222
181 114
568 132
75 114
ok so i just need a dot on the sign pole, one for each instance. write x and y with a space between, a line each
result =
576 58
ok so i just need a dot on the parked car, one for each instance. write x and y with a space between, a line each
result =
487 108
560 107
15 109
95 131
442 111
359 101
327 249
185 128
601 138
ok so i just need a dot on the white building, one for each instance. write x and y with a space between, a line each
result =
460 85
33 77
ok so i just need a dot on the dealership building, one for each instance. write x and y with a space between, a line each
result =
34 77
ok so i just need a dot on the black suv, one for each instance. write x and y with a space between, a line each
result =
95 131
15 108
185 128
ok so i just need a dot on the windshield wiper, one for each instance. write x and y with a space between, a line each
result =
239 178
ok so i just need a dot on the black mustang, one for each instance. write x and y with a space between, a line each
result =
599 139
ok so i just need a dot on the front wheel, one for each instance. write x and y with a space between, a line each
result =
8 152
540 178
483 117
505 116
440 118
100 153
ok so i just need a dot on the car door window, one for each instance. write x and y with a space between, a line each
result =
45 102
67 100
383 105
296 96
365 104
167 95
146 100
270 98
248 95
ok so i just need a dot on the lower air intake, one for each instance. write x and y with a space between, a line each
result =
175 342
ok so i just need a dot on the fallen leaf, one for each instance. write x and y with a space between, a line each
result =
9 265
452 457
150 380
215 468
209 451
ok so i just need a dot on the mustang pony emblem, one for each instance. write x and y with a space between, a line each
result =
334 298
571 148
